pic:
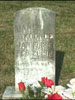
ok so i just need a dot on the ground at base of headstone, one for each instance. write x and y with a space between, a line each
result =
11 94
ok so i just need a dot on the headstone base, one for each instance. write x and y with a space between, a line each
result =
11 94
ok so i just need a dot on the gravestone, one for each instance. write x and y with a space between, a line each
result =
34 40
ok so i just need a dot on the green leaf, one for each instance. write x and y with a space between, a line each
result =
41 84
30 91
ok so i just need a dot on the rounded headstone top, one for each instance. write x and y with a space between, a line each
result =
33 9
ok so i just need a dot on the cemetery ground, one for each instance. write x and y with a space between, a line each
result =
65 39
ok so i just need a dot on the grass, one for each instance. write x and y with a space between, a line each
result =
65 38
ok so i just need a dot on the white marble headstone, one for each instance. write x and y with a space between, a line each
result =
34 39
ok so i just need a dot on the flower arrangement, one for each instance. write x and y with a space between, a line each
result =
73 92
45 91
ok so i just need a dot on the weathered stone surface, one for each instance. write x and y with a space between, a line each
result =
11 94
34 36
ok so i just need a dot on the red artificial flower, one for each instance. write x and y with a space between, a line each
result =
43 80
21 86
47 82
55 96
49 96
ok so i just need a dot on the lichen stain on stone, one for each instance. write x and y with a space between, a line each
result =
41 19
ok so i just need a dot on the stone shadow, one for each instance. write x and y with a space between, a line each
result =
59 62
